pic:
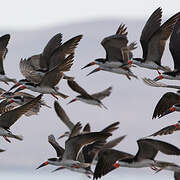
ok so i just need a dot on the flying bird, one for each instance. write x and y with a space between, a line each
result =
50 80
13 100
7 119
94 99
90 151
118 54
167 130
60 151
35 67
167 103
66 120
110 159
175 52
3 51
153 40
153 83
73 146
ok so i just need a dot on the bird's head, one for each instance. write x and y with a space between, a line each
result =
158 77
20 82
98 61
20 88
116 165
170 110
49 161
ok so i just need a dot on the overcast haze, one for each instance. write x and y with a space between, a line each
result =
132 102
22 14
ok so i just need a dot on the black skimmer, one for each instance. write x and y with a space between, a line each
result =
3 51
50 80
35 67
167 130
110 159
175 52
66 120
118 54
153 40
60 151
170 109
114 46
166 104
73 147
91 149
20 98
9 118
153 83
106 160
94 99
64 117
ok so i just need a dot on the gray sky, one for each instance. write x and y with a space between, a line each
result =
39 13
132 103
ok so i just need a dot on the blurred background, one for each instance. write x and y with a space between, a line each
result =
31 25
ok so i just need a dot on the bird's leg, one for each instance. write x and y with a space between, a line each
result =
6 139
54 96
